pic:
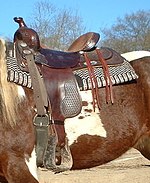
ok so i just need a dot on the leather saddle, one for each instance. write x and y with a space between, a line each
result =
56 68
72 58
83 53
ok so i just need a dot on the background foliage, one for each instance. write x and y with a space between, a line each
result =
58 28
129 33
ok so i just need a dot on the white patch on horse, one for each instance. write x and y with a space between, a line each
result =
87 122
21 92
133 55
31 163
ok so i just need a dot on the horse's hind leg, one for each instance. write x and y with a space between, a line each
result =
15 170
143 145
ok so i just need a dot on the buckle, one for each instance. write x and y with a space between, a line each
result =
41 121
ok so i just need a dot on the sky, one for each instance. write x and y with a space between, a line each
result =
94 13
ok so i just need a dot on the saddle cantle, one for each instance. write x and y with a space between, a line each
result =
85 42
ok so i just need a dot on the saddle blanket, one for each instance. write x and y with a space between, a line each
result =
119 74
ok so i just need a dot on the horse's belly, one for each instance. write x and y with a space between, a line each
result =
96 138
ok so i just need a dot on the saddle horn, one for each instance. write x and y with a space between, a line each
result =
26 35
20 21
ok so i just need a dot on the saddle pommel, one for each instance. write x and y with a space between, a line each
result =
26 35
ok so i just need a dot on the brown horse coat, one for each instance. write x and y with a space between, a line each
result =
117 127
17 137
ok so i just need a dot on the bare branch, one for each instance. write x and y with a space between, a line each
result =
130 33
56 28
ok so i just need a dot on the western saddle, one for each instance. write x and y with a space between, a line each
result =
55 89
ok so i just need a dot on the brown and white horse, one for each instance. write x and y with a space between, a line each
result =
97 138
17 140
94 138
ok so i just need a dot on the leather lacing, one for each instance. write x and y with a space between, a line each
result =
94 84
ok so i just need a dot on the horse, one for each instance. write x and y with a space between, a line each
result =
17 135
96 138
118 126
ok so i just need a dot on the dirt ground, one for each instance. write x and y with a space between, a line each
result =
132 167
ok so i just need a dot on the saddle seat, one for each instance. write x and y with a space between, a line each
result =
57 59
71 57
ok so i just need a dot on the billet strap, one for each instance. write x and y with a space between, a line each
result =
39 90
42 118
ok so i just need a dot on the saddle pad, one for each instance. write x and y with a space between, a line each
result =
16 75
119 74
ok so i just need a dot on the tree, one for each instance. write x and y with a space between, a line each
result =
130 33
56 28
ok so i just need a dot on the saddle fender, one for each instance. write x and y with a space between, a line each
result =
63 92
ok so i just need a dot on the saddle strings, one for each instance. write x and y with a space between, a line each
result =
109 91
94 84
